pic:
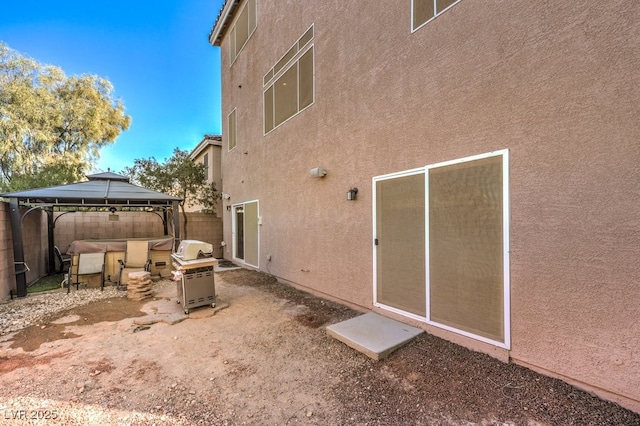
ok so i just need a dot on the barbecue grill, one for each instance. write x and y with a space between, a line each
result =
195 280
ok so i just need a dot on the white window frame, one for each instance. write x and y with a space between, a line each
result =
205 162
232 33
435 14
275 76
506 248
235 130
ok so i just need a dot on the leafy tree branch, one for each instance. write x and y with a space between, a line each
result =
178 176
52 127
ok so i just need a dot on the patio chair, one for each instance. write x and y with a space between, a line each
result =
136 259
63 259
87 264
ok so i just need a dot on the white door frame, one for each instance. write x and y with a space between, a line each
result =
506 246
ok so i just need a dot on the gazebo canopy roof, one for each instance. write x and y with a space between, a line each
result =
101 190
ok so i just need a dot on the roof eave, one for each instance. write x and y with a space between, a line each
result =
222 22
204 143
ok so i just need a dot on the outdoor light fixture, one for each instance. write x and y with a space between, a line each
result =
113 217
351 194
318 172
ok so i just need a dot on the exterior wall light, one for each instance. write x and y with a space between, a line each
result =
318 172
113 217
351 194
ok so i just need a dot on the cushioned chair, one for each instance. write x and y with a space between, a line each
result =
87 264
63 259
136 259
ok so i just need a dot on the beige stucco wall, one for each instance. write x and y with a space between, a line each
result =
556 83
7 280
91 225
96 225
205 227
215 174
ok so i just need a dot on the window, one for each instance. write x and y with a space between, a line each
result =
423 11
242 29
288 86
231 130
205 163
442 243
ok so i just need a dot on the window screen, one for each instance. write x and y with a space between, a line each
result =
422 11
205 163
289 85
400 249
242 29
442 244
232 130
466 249
286 95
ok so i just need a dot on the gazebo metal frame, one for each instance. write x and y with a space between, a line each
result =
103 191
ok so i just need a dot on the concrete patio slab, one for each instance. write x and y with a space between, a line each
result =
164 307
372 334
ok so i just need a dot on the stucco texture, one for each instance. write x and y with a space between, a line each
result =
555 83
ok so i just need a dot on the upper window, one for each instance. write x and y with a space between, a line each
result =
205 163
232 130
288 86
423 11
242 29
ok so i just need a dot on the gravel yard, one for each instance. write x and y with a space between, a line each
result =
19 313
98 358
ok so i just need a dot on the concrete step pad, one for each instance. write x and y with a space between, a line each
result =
372 334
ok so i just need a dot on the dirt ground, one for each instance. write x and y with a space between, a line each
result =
262 357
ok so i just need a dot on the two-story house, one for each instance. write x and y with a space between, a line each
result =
203 224
208 153
468 167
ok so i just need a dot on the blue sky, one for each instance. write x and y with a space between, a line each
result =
155 53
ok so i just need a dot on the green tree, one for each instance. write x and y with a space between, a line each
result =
52 127
178 176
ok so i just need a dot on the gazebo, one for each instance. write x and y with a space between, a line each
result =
108 191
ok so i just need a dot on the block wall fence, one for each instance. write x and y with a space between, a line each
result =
89 225
34 236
